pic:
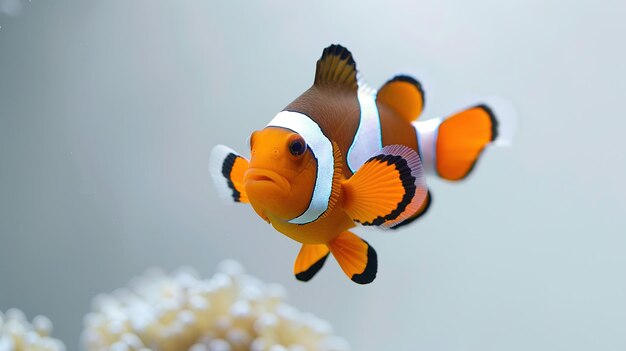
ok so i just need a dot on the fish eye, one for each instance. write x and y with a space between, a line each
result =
297 147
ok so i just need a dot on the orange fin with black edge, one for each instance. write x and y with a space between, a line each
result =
227 169
355 257
310 260
336 68
420 212
404 95
460 140
389 188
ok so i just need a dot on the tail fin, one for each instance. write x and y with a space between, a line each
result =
451 147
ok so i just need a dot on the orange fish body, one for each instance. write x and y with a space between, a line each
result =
341 154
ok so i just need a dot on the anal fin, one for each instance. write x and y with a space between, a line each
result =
355 256
310 260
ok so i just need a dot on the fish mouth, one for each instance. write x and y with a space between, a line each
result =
259 175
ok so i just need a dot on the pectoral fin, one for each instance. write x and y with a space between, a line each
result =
310 260
388 189
227 168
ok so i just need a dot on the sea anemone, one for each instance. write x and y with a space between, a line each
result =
231 311
17 334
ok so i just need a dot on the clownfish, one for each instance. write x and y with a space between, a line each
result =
343 154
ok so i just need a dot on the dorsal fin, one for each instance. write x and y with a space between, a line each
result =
404 95
336 68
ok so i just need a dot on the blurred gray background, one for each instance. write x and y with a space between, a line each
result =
109 109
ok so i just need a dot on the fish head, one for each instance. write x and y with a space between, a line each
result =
282 173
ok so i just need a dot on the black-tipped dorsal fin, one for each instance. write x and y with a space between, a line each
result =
336 68
404 95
